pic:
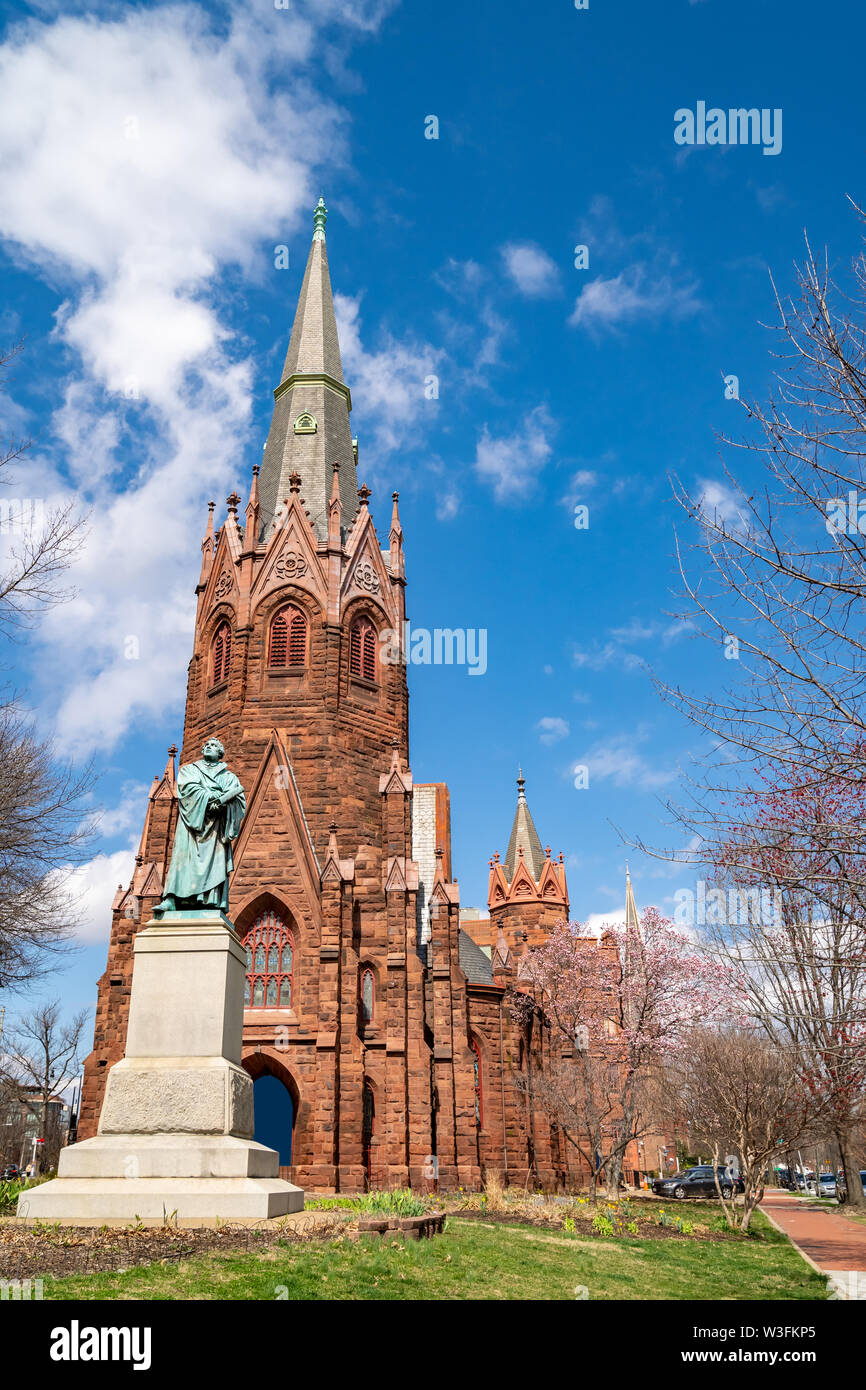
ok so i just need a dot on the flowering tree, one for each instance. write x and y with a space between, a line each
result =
622 1005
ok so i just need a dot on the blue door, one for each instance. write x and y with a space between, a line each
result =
275 1116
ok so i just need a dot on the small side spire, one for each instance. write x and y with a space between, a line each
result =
207 547
253 506
335 511
396 538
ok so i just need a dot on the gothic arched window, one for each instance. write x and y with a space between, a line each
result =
221 654
476 1080
270 964
368 996
287 641
362 649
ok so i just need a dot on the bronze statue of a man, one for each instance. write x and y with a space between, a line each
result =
211 803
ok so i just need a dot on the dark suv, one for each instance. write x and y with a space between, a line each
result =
696 1182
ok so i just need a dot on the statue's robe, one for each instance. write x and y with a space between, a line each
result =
201 860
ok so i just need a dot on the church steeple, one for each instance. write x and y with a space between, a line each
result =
524 836
632 920
310 429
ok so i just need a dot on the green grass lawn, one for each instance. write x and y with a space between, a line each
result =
475 1261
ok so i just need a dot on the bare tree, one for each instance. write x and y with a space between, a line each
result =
41 1052
739 1093
580 1092
43 830
776 578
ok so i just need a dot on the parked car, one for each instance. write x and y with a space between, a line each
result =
696 1182
11 1173
842 1186
826 1184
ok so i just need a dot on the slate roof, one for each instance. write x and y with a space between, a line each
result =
473 962
524 836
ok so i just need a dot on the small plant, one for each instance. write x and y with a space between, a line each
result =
602 1225
677 1223
568 1225
400 1202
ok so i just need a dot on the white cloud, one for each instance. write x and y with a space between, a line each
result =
533 272
551 729
127 817
618 760
721 505
597 921
512 465
92 888
636 292
598 658
447 505
168 150
388 382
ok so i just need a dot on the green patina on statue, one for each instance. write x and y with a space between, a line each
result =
211 802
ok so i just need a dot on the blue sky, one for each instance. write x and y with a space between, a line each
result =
151 159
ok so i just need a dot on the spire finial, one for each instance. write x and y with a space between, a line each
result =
521 785
320 217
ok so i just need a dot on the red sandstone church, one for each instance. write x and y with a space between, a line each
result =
381 1013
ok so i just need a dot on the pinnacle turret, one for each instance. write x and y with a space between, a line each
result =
524 836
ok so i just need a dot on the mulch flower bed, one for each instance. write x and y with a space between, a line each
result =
32 1252
647 1230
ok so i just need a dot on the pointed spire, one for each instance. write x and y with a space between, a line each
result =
207 547
335 511
310 426
395 536
632 920
439 873
253 505
524 842
169 767
332 841
314 345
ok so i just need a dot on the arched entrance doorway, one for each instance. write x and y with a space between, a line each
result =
276 1103
274 1116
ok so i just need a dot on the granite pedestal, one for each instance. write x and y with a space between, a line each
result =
175 1134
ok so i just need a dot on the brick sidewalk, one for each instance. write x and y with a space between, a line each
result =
837 1246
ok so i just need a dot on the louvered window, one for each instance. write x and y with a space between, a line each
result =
287 645
362 650
222 654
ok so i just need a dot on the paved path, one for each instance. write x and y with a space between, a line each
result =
834 1244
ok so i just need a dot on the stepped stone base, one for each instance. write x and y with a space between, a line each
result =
175 1138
